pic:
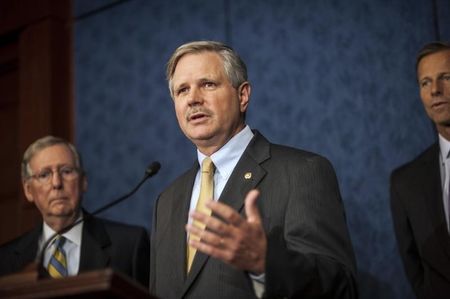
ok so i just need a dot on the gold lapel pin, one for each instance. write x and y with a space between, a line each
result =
248 175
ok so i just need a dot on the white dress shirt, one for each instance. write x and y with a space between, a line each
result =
72 246
444 159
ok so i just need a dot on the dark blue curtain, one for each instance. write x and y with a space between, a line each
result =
334 77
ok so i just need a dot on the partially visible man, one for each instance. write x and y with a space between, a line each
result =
288 238
54 180
420 188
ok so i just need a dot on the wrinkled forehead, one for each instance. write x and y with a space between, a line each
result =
52 156
198 66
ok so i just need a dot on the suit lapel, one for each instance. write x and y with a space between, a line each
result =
95 246
431 187
180 216
169 235
246 176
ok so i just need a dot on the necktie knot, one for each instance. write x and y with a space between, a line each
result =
59 241
208 166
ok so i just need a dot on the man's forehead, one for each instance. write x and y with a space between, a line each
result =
438 59
204 60
198 69
53 155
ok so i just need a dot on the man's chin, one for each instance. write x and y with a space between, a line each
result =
200 137
445 122
63 213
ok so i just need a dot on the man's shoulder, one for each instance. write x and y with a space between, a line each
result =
29 238
17 253
283 152
293 152
415 166
296 159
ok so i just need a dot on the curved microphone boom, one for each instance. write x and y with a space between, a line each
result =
151 170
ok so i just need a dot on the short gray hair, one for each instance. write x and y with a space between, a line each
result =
431 48
233 65
43 143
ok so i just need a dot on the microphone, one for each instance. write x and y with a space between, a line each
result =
151 170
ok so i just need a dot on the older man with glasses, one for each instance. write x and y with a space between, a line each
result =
54 180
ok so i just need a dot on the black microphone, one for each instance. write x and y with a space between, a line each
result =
151 170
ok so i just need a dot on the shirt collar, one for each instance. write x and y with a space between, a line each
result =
73 235
226 158
444 146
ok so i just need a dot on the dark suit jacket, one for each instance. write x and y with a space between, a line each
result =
104 244
309 250
420 226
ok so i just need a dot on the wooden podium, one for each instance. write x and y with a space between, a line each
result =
96 284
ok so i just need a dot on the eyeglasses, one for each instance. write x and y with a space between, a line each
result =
67 173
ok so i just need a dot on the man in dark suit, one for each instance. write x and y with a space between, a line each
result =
276 227
54 180
420 188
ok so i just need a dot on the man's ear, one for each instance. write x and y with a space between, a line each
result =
84 184
244 91
27 190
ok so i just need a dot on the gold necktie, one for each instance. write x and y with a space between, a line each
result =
206 193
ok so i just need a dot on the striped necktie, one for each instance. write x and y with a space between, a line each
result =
206 193
57 267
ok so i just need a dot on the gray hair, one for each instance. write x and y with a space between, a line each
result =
234 67
431 48
41 144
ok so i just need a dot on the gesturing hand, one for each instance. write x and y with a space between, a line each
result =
238 241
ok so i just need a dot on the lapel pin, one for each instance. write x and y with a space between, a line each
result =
248 175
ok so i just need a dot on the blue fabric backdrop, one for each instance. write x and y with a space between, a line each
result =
334 77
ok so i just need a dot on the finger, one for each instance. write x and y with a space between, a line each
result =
212 223
199 216
251 208
227 213
213 251
205 236
193 230
237 259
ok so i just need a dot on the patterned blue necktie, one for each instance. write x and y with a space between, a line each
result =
57 267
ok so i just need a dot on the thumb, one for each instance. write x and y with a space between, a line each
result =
251 209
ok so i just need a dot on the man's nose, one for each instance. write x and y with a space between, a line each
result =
195 96
56 180
436 88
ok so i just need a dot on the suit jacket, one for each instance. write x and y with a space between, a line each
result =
309 250
420 226
104 244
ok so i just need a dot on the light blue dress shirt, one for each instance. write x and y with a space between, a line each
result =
225 159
